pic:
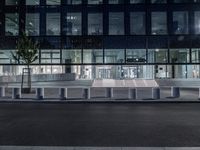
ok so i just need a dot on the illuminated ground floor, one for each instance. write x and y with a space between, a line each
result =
110 71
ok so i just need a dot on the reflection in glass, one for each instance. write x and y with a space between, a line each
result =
180 22
95 24
75 2
11 2
11 24
137 1
50 56
71 56
195 55
157 55
5 57
72 24
137 23
32 2
114 56
95 1
93 56
159 23
179 55
53 24
116 23
135 56
116 1
197 22
32 24
53 2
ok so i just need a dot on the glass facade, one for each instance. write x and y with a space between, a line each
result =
105 38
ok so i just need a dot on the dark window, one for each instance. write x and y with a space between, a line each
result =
137 23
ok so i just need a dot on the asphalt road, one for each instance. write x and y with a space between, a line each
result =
135 125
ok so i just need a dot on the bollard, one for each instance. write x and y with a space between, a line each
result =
175 92
63 93
40 93
109 93
132 94
16 93
86 93
155 93
2 91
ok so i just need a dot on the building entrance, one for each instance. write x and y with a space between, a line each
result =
131 72
104 73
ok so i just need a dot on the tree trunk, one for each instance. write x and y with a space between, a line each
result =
29 79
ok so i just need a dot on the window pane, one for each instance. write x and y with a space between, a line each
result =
53 2
195 55
93 56
158 1
53 24
50 56
95 1
114 55
74 1
197 22
137 1
32 24
137 21
71 56
32 2
157 56
11 2
135 56
180 22
5 57
116 23
159 23
116 1
179 55
72 24
12 24
95 24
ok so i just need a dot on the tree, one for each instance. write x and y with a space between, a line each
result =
26 53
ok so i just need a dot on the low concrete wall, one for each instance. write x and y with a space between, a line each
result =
40 77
